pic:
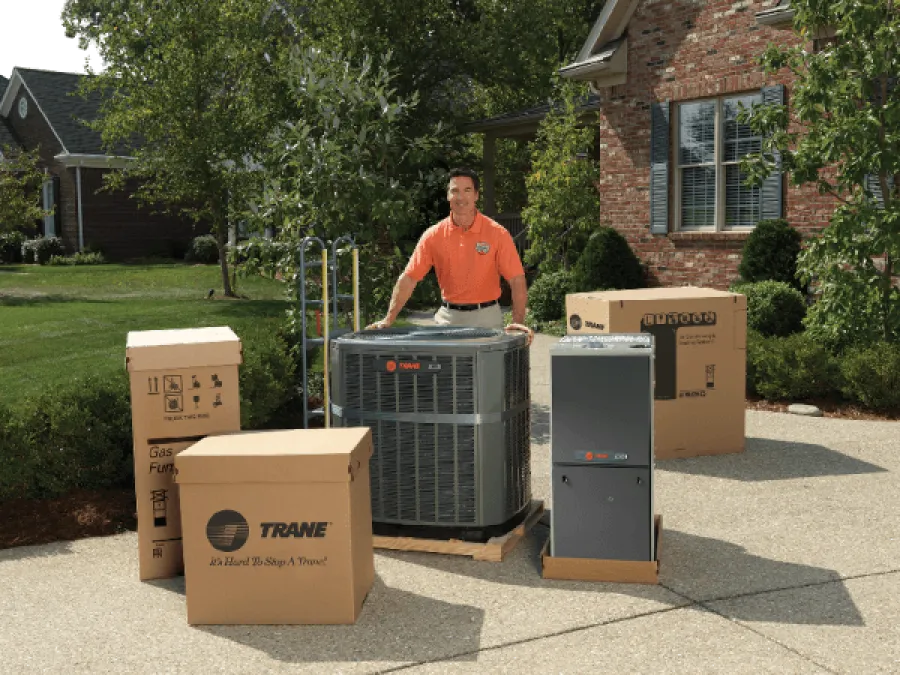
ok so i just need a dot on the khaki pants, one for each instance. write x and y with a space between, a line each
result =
487 317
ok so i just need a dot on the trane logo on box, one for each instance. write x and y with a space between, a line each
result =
395 366
287 530
679 319
576 323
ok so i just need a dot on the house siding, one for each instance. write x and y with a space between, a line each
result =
115 224
681 51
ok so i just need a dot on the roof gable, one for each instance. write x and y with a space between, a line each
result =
7 138
603 59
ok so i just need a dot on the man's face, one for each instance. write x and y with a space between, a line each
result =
462 195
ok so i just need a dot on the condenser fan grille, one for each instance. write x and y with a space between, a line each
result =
423 472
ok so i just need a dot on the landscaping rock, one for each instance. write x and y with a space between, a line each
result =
803 409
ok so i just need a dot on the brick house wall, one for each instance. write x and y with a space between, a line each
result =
681 50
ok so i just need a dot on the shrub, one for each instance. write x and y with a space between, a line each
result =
16 468
78 259
203 250
607 262
773 307
79 436
871 376
40 250
547 295
267 377
792 368
11 247
770 253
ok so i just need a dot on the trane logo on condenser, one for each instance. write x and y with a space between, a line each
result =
293 530
679 319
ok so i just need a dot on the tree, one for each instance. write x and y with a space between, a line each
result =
341 167
844 139
20 189
563 204
190 92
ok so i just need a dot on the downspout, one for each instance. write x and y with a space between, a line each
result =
80 216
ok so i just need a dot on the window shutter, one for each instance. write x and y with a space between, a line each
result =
872 184
771 194
659 167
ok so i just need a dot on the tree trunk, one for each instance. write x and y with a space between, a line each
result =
222 240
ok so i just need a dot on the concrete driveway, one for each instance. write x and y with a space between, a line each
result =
785 559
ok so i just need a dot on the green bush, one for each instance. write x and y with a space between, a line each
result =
78 437
203 250
267 377
791 368
16 467
78 259
40 250
607 262
773 307
547 295
11 247
770 253
871 376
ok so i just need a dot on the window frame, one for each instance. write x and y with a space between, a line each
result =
719 164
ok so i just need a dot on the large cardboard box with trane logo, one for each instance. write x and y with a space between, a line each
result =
277 526
184 386
700 338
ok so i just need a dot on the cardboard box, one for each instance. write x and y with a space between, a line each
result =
700 338
184 386
277 526
619 571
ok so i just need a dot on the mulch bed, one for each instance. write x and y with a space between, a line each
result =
79 514
97 513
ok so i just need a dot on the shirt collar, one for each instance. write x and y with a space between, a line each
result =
476 224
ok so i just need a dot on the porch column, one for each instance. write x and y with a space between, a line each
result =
488 152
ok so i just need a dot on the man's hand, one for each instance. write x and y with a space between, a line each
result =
524 329
384 323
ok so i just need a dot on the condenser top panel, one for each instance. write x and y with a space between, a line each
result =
424 337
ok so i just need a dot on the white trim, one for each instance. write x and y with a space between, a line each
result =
80 216
9 96
70 160
609 26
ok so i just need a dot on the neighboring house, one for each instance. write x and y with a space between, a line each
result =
670 76
41 109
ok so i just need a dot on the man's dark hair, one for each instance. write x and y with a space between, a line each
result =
455 173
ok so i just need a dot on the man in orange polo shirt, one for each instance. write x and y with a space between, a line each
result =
469 253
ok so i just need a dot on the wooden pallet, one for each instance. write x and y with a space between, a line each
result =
494 549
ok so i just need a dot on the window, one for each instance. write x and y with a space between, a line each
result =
709 186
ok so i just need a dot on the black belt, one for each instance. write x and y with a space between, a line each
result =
469 308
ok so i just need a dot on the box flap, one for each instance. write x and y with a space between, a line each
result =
679 293
182 348
289 456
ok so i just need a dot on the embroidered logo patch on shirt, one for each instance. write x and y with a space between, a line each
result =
482 247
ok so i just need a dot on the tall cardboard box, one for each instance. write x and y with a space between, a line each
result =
184 386
277 526
700 338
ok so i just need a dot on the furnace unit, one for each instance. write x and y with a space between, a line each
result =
449 413
601 436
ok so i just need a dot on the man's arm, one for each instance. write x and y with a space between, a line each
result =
399 297
519 298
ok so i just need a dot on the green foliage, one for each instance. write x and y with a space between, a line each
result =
267 377
77 436
41 250
773 307
20 188
192 93
79 258
607 262
562 197
871 376
11 247
547 295
204 250
793 368
770 253
843 136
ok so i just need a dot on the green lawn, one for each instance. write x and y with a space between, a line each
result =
59 322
